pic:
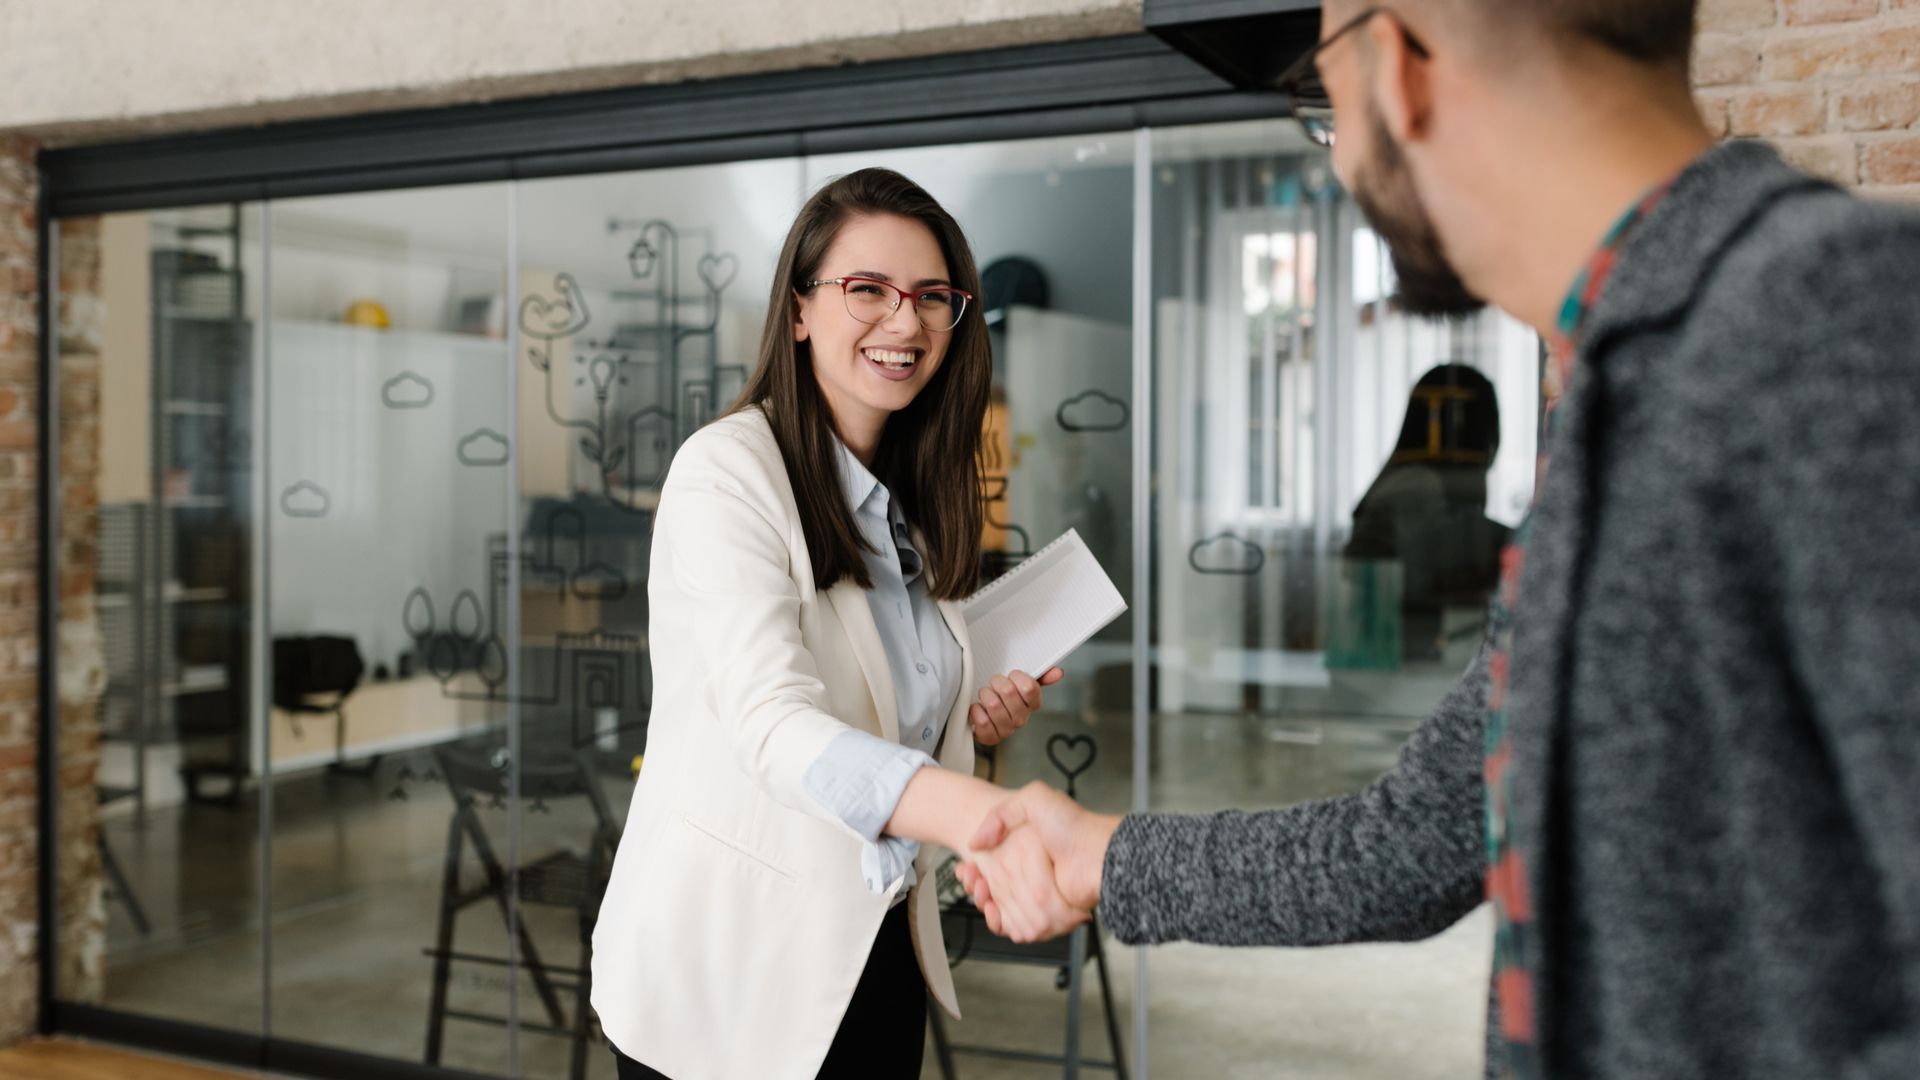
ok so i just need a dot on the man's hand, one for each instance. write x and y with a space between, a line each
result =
1036 821
1026 906
1005 703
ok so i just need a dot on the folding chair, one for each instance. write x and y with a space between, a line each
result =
559 879
965 929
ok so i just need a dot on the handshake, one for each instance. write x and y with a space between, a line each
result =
1033 866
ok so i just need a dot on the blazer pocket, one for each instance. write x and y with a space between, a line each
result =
742 851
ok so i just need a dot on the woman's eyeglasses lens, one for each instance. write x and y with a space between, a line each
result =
873 301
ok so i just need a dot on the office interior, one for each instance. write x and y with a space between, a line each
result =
375 478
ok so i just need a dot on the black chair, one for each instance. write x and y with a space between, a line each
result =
314 676
964 927
118 887
561 879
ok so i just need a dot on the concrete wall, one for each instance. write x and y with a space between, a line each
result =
92 69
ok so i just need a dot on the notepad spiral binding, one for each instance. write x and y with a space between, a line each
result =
1031 560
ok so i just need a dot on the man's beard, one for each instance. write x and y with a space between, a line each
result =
1428 284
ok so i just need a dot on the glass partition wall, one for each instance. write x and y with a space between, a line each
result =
1332 484
357 494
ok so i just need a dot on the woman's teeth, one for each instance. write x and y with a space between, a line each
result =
893 361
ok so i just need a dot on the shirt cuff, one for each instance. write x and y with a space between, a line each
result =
859 779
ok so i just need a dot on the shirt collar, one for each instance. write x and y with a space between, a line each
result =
1564 343
862 487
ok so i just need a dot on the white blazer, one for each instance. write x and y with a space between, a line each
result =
737 922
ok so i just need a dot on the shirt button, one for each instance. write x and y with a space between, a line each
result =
927 733
922 667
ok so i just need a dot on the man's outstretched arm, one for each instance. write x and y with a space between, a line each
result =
1401 860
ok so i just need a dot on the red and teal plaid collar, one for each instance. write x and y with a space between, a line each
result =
1587 287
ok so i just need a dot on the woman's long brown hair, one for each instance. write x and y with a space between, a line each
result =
929 451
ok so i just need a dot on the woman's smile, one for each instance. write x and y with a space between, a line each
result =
892 362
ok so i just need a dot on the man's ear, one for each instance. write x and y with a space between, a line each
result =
1401 81
799 324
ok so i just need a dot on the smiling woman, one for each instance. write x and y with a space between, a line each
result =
858 237
809 729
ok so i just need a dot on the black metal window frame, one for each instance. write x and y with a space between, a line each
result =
1098 84
1102 84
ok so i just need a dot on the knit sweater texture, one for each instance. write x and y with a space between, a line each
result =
1715 691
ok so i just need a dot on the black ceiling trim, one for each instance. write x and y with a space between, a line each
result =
1034 90
1245 42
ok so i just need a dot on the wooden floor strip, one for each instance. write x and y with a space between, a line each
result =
57 1059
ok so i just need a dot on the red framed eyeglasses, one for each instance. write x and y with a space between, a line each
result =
873 301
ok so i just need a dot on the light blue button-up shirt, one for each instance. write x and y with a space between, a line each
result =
860 777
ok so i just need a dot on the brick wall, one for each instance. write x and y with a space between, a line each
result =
82 671
19 337
82 663
1834 83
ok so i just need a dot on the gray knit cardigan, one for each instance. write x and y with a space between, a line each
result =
1715 693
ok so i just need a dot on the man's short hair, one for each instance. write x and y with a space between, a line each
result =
1654 31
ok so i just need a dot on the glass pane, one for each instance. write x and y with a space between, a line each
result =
1334 481
160 851
388 420
1050 223
643 299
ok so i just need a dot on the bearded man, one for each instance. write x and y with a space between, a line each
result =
1685 768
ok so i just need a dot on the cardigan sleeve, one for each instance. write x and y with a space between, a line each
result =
1399 861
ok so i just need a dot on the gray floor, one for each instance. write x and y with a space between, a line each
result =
357 875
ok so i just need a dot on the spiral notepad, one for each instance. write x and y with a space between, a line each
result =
1043 609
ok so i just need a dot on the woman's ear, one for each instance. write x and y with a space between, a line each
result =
799 318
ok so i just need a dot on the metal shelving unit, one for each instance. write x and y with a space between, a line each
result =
195 583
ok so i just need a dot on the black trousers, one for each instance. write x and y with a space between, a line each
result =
884 1034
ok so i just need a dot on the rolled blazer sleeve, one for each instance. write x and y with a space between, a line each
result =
728 540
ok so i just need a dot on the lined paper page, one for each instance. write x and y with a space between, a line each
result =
1040 611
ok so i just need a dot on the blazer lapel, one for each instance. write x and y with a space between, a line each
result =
957 723
850 604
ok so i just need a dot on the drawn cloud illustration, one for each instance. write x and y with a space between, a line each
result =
1092 410
407 390
1226 554
484 447
305 499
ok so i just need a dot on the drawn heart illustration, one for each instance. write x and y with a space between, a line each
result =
718 270
1072 742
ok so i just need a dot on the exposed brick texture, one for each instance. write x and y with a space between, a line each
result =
1802 12
1835 84
19 842
82 661
81 671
